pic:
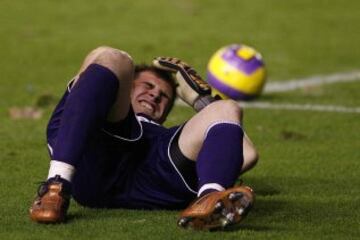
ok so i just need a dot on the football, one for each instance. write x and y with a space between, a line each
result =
236 71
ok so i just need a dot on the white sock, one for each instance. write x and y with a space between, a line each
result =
207 186
65 170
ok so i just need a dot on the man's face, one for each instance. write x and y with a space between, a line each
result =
151 95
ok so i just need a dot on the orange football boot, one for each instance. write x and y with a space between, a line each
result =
218 209
52 202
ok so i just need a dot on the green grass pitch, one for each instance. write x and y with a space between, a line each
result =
307 181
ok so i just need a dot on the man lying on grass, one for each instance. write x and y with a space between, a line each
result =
108 148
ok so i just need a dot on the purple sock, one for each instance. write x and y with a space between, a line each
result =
221 156
84 112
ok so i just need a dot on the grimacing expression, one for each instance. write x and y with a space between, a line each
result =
151 95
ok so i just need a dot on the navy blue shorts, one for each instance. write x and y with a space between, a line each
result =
130 165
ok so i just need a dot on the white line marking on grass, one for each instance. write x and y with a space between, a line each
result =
284 86
303 107
289 85
291 106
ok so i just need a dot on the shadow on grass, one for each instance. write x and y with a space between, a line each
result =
263 187
266 207
263 209
74 216
85 214
80 213
249 227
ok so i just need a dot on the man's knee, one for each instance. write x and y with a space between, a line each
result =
224 110
118 61
192 135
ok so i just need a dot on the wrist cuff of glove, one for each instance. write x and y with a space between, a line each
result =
202 102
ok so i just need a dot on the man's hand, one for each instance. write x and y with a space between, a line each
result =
192 88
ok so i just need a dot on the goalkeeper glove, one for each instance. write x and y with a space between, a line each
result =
192 88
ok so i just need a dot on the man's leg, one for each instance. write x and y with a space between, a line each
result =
101 92
190 145
214 138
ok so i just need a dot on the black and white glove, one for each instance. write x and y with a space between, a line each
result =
192 88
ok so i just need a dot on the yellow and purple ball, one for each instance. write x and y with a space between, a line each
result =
236 71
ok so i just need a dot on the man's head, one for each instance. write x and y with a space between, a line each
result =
153 93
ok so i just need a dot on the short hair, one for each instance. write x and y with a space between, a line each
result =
164 75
